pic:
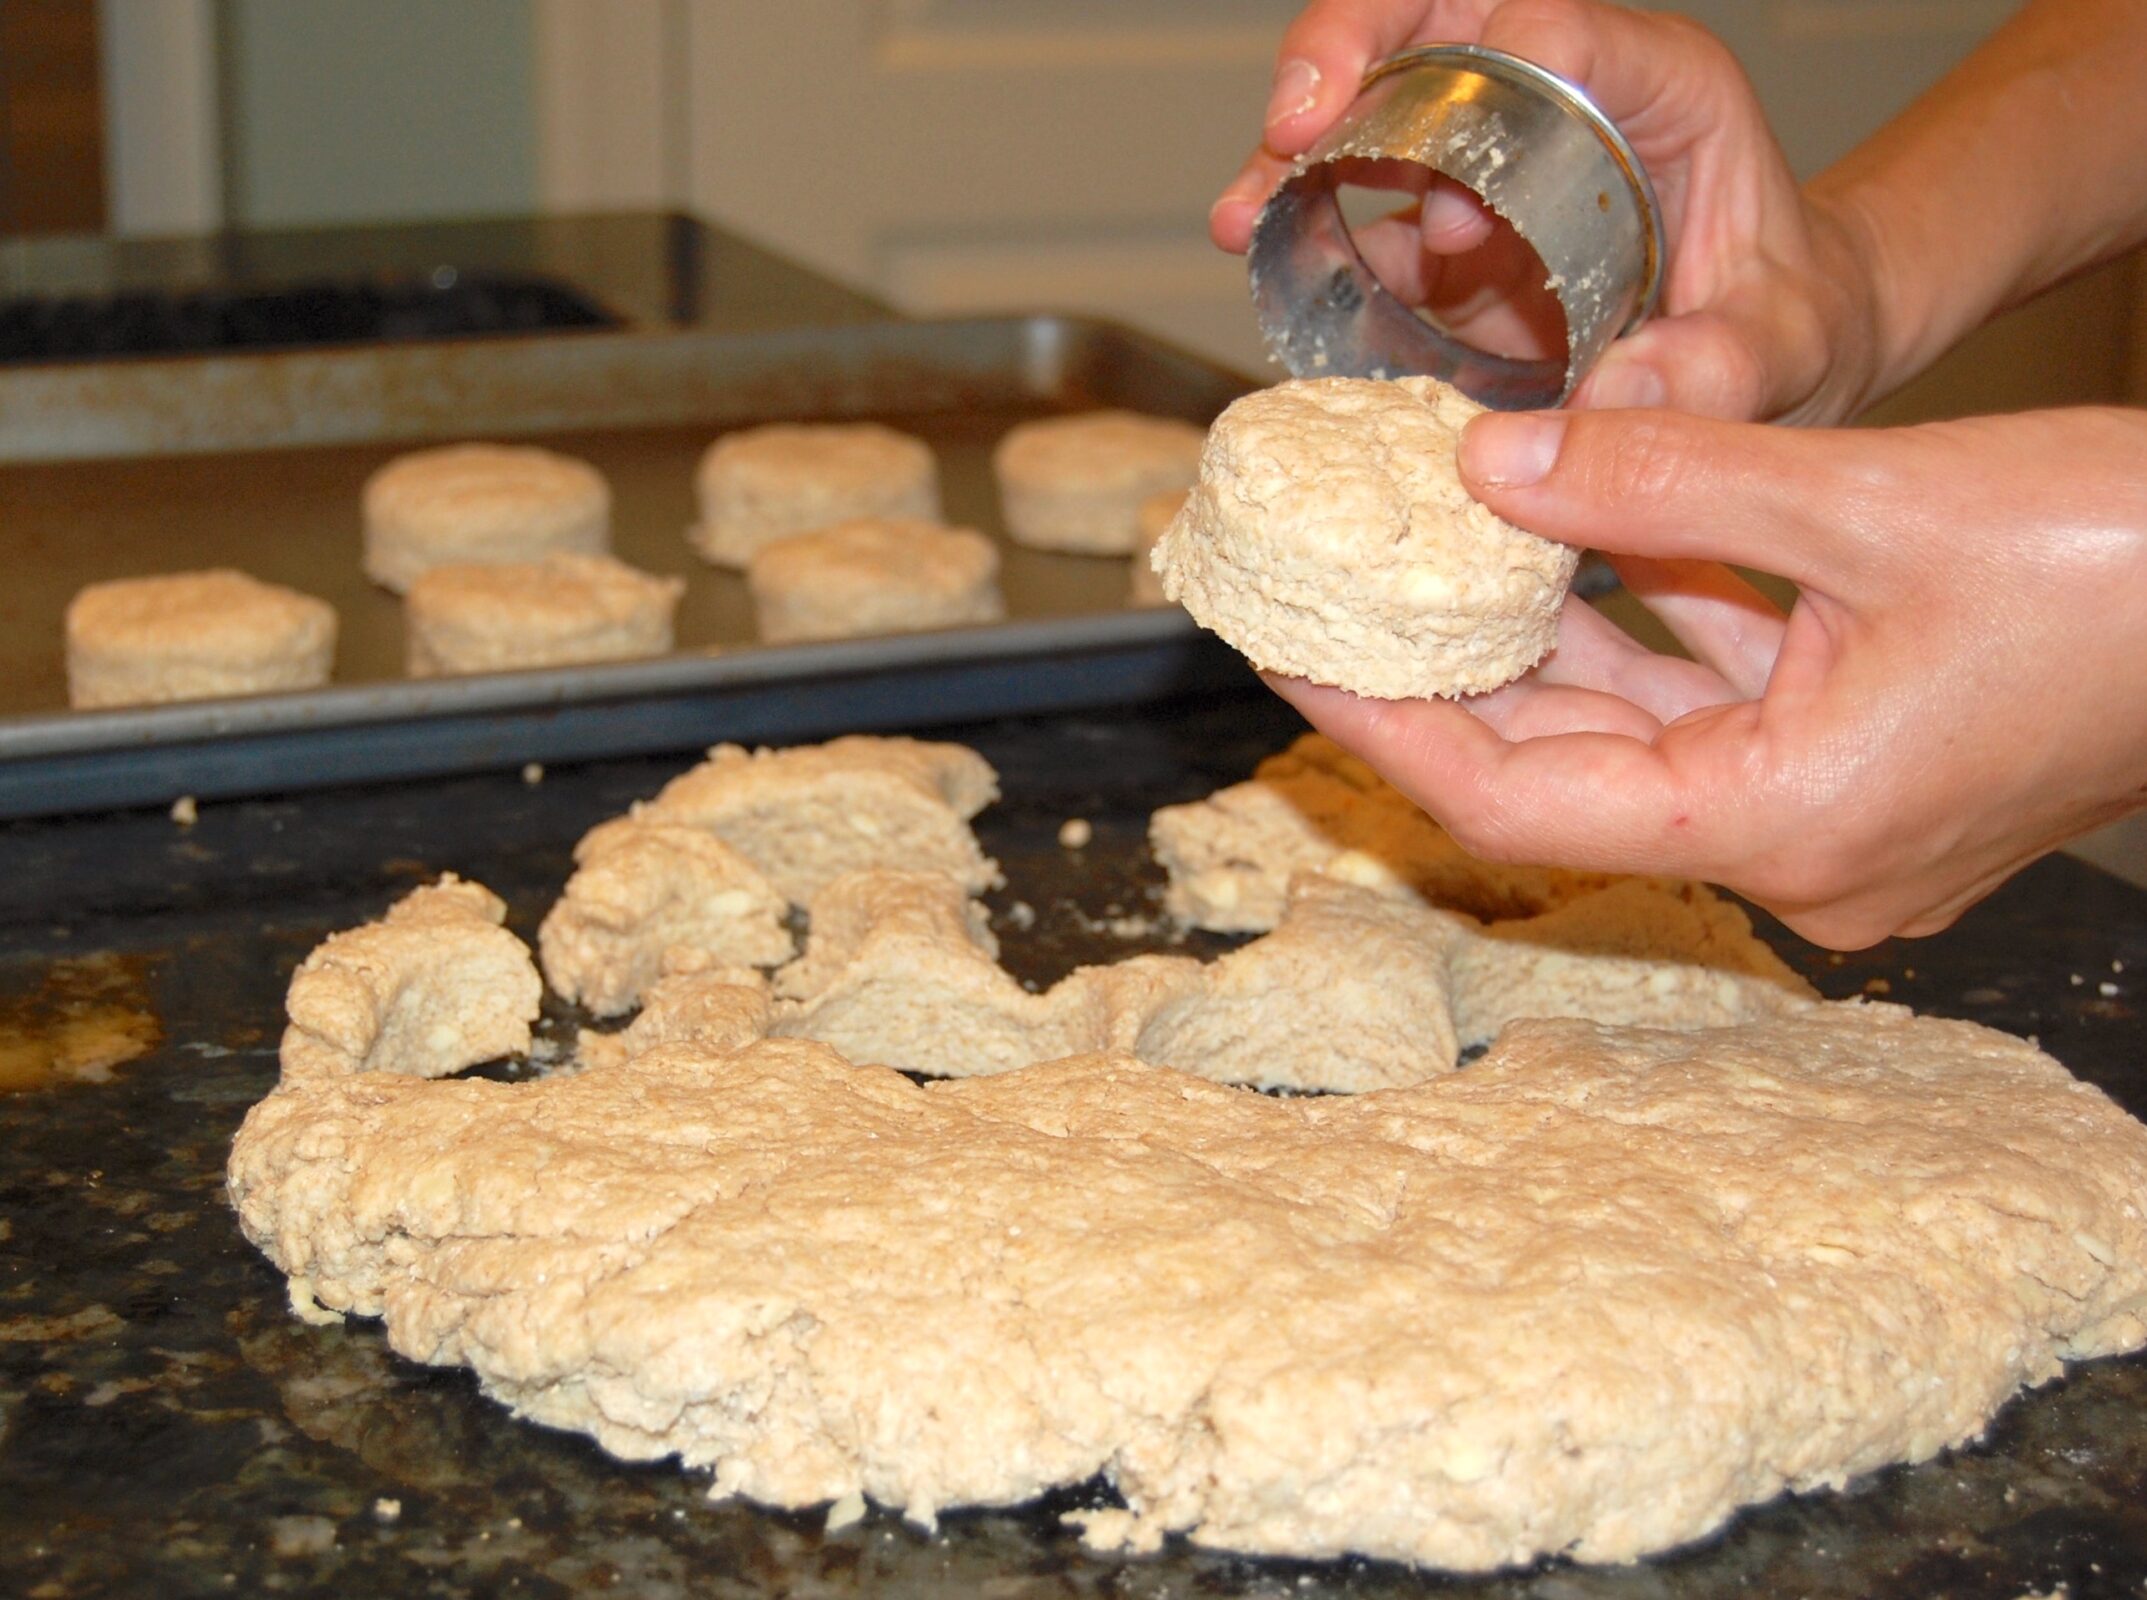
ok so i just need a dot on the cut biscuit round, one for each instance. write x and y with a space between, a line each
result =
1076 483
470 503
559 611
1330 538
874 575
761 484
191 636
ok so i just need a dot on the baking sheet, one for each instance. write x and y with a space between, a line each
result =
257 462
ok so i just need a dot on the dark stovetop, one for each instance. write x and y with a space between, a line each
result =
93 296
168 1428
444 304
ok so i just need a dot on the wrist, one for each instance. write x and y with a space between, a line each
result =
1858 316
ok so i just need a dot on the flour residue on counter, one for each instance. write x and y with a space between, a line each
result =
82 1017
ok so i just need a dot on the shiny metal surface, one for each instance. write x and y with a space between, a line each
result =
1541 156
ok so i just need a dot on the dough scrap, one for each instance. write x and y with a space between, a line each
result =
642 888
1315 807
1353 990
1586 1297
1350 992
435 986
901 970
1330 538
1638 952
805 816
714 1007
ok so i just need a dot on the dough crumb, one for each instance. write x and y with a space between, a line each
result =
307 1309
185 812
2107 990
846 1512
1075 833
1021 916
533 773
1877 986
386 1510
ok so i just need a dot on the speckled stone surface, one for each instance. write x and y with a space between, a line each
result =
167 1428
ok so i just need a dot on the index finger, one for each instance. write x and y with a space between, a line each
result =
1325 53
1607 802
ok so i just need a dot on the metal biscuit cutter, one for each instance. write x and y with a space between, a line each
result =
1541 155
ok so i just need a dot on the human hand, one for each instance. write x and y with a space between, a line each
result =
1766 307
1957 690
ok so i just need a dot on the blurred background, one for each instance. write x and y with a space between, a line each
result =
944 155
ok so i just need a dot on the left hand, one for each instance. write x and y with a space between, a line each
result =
1767 304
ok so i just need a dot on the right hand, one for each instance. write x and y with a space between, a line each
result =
1955 692
1767 308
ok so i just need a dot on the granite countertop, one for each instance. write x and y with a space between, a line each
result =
167 1427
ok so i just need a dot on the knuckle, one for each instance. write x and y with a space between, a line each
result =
1636 461
1740 380
1476 830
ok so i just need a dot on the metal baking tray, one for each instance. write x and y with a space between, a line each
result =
256 462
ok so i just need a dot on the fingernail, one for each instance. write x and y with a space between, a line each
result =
1297 89
1511 450
1245 186
1625 385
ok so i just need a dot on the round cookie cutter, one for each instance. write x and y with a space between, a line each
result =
1541 155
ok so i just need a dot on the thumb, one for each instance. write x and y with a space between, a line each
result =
1702 363
1678 487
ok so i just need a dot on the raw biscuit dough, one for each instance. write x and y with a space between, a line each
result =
1349 993
1330 538
1315 807
760 484
1637 952
435 986
873 575
193 635
558 611
473 503
1353 990
1076 483
1586 1298
642 889
807 815
713 1007
897 970
1151 520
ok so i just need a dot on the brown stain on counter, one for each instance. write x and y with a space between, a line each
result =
85 1016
